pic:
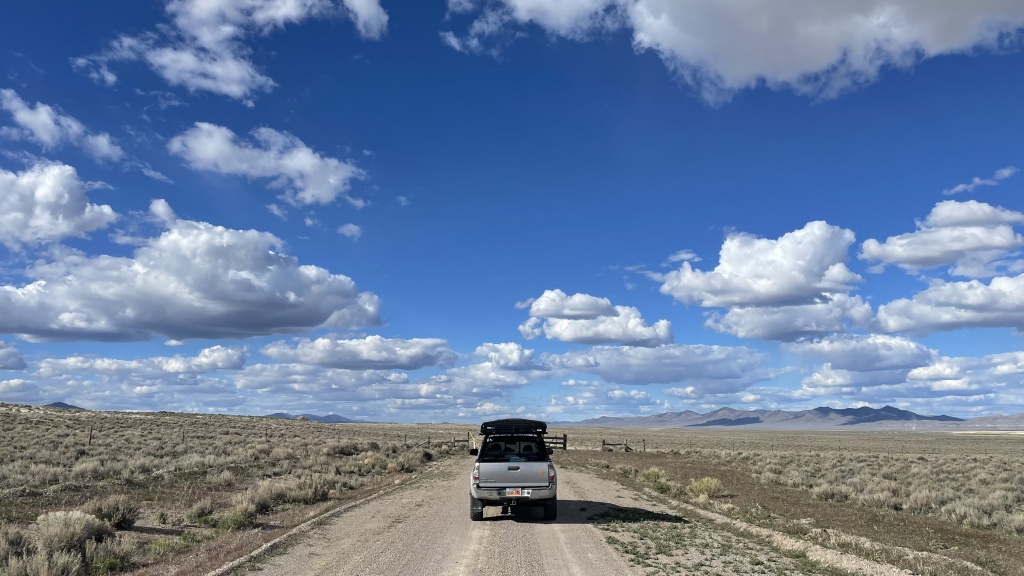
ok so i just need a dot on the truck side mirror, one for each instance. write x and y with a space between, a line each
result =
551 451
473 451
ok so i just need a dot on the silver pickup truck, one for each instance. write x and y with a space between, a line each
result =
513 468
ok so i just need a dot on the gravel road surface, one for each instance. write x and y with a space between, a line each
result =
424 529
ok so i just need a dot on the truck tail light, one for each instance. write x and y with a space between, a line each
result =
476 472
551 473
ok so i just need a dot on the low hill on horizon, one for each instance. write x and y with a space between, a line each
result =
328 419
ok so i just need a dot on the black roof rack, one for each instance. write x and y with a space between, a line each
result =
513 426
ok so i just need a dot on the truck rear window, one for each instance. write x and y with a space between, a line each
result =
513 449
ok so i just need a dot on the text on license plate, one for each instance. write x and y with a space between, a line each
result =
513 491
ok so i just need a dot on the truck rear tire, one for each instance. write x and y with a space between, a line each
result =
551 510
476 509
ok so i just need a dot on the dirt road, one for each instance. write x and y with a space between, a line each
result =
425 529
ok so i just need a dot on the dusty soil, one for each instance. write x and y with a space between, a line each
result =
603 529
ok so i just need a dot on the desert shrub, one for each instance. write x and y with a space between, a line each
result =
340 449
832 492
67 531
627 471
13 542
60 563
310 490
265 495
118 510
113 555
200 512
241 516
928 501
652 474
708 487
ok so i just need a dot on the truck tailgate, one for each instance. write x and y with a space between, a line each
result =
515 474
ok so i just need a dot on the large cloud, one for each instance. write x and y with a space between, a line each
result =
306 176
205 48
838 313
719 47
587 319
195 280
49 128
47 204
865 353
972 236
801 267
372 352
782 289
166 368
953 305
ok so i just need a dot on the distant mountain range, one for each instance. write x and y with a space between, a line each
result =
329 419
863 418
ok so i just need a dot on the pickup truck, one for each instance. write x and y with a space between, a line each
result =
513 468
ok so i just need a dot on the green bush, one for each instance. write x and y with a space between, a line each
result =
240 517
708 487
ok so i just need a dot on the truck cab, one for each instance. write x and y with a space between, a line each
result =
513 468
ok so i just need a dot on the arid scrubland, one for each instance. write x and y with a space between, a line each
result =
933 503
107 492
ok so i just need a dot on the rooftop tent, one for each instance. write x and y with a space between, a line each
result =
513 426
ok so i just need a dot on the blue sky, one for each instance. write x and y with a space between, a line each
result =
453 210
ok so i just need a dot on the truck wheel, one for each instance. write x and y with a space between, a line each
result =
551 510
476 509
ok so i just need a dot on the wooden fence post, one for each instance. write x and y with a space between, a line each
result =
644 440
90 435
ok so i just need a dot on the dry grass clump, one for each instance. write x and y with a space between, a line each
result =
118 510
66 543
68 531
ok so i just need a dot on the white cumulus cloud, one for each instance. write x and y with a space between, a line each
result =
801 267
306 176
46 204
820 49
509 356
49 128
587 319
971 236
837 313
557 304
865 353
372 352
952 305
195 280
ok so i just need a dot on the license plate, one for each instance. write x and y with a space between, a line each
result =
513 491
